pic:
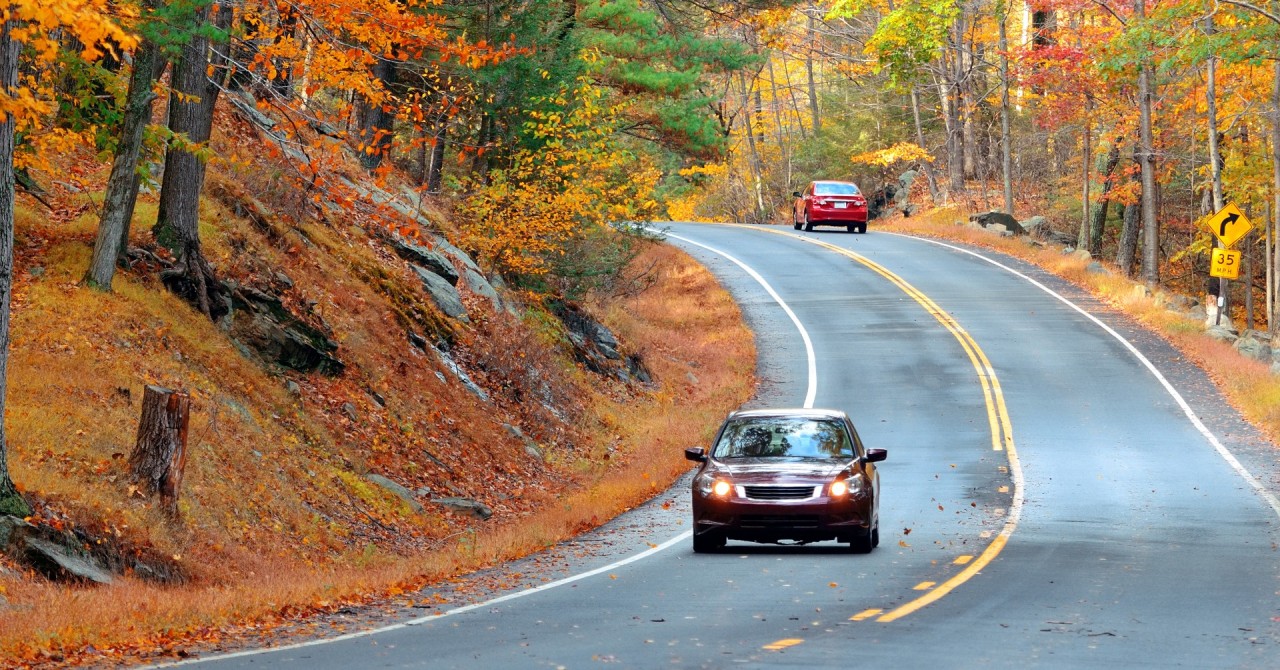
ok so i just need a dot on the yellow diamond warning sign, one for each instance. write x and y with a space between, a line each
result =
1229 224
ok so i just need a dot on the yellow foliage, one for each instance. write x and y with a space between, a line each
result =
581 179
902 152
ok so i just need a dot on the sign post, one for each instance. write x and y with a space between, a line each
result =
1229 225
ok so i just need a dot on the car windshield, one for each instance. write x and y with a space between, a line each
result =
834 188
776 437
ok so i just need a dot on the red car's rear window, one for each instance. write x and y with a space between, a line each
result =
829 188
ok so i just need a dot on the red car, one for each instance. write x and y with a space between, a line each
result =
830 203
791 475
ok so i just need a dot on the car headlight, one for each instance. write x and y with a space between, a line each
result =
855 485
707 484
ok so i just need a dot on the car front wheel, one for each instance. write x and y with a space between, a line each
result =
707 543
795 220
863 541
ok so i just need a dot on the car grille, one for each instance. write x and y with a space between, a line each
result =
780 492
778 521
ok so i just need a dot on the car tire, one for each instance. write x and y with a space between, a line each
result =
707 543
795 221
852 228
863 541
862 227
808 225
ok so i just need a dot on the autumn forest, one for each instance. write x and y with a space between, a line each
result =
158 154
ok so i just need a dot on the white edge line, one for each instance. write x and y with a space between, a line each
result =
433 617
808 403
1222 450
812 392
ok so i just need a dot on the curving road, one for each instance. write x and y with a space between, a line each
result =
1062 490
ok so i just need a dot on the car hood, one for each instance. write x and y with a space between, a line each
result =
744 470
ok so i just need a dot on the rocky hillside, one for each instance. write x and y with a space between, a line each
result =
375 410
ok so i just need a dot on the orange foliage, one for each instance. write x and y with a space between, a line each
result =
37 23
581 179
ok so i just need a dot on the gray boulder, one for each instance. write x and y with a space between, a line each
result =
1254 345
530 447
443 294
1213 320
990 220
398 490
1222 334
465 506
60 562
460 374
481 287
443 246
1035 226
427 258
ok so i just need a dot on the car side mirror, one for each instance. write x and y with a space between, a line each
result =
875 455
796 194
696 454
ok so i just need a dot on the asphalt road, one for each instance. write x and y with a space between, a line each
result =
1063 490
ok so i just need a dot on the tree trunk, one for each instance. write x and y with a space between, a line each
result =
11 501
1006 149
160 454
813 90
955 128
927 165
376 120
783 133
1146 161
480 161
1104 201
755 163
122 187
1215 153
1086 157
436 172
1247 261
1128 249
177 223
282 84
1275 172
968 103
795 104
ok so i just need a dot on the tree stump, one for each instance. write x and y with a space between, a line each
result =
160 454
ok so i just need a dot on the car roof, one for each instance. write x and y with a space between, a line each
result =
796 413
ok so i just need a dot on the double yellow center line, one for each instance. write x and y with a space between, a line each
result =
997 417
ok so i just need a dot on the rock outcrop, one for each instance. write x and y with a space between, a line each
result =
259 322
994 219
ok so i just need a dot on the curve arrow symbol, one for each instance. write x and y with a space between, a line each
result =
1230 219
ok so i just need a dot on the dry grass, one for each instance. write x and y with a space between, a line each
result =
277 518
1247 384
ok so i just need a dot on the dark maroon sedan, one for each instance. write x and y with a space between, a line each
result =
786 475
830 203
